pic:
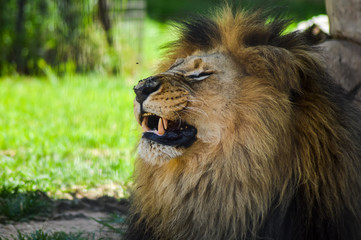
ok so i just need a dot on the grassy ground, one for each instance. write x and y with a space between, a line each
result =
77 131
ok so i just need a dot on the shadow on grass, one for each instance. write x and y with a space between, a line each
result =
18 207
41 235
23 206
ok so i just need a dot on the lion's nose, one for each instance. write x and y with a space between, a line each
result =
145 87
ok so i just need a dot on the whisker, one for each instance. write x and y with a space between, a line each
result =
193 99
186 112
198 102
196 110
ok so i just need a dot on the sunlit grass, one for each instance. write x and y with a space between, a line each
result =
77 131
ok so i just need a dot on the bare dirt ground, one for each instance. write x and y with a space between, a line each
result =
75 216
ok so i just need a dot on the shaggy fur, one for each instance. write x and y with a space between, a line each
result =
278 149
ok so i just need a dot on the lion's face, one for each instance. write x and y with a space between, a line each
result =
185 106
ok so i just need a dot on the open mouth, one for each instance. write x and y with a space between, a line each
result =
166 132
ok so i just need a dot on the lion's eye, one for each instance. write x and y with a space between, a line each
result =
200 76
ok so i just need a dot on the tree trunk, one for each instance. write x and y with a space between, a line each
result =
345 19
343 52
105 20
19 41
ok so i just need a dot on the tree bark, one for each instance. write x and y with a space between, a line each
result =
345 19
343 52
18 44
105 20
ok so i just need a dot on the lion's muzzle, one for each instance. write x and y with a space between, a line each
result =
158 99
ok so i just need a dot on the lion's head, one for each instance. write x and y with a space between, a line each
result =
215 87
189 106
240 121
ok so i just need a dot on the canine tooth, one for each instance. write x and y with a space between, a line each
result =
165 123
145 125
161 130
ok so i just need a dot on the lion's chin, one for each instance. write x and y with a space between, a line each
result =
156 153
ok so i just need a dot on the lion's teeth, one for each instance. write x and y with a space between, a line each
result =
145 125
148 114
165 123
161 130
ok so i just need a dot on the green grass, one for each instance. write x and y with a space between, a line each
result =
77 131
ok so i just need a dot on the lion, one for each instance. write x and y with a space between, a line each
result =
245 136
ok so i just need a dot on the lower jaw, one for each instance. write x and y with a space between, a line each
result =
173 139
157 154
183 137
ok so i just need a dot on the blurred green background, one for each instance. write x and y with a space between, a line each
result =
66 74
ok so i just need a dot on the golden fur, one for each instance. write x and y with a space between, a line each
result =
270 130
